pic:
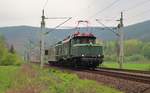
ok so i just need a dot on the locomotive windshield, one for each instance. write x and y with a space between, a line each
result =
85 40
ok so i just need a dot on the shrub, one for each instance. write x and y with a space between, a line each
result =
146 50
10 59
110 58
136 57
6 57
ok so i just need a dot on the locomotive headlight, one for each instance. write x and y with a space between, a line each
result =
99 55
82 55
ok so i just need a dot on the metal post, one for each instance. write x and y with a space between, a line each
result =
121 42
29 51
42 39
118 45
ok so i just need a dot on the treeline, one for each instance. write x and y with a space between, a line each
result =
135 51
8 56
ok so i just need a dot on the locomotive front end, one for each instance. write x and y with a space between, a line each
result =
85 51
89 54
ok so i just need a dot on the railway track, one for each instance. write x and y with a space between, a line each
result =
126 70
127 81
133 75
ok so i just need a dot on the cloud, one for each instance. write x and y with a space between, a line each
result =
28 12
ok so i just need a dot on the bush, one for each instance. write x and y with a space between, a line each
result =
6 57
146 50
135 57
110 58
10 59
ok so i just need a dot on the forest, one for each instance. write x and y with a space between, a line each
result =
134 51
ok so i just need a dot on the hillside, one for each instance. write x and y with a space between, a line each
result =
19 36
139 31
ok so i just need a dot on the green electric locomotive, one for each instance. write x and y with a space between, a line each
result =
79 50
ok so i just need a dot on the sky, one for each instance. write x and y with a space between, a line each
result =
28 12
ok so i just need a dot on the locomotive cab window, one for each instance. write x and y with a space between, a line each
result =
85 40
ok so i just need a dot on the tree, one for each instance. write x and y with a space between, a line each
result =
12 50
7 57
146 50
133 47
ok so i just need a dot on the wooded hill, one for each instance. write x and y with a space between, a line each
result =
19 36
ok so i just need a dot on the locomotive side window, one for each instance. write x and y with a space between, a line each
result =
46 52
75 41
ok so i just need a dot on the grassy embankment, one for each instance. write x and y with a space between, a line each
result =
6 76
133 66
31 79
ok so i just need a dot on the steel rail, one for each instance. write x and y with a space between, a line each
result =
126 70
138 77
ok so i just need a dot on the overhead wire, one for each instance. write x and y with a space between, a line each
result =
133 7
102 10
126 10
110 29
91 3
45 4
55 29
105 8
139 14
58 25
137 5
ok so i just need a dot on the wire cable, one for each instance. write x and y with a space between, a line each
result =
46 2
58 25
110 29
139 14
107 7
90 4
137 5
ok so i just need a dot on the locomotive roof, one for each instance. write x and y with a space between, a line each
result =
77 35
86 34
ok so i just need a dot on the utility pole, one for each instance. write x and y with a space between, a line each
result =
42 40
121 42
120 39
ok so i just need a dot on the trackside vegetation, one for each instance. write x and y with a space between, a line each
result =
135 51
132 66
6 76
8 57
32 79
137 55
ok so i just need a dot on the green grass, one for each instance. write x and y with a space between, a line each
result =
6 75
53 81
132 66
72 84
